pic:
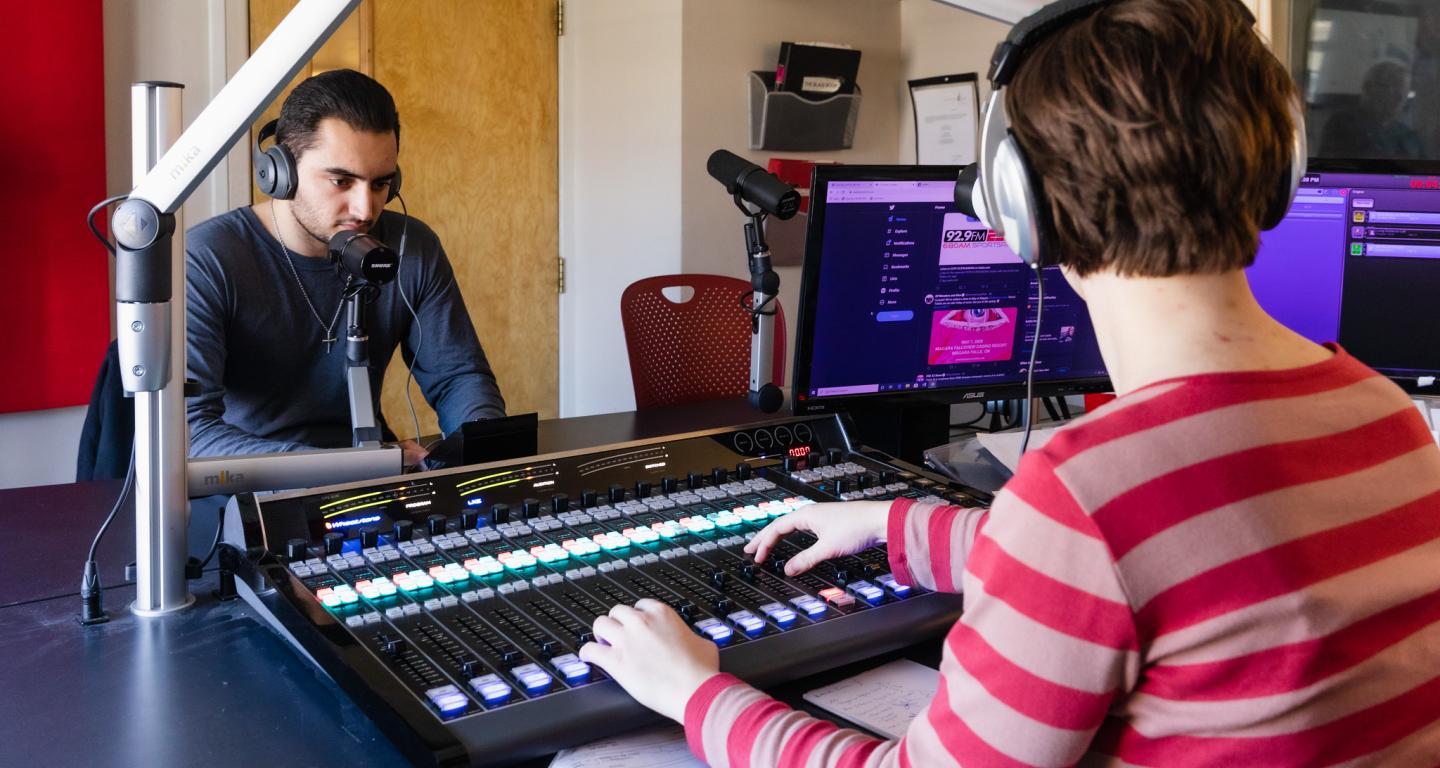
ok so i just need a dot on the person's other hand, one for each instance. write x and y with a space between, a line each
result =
842 528
414 454
653 654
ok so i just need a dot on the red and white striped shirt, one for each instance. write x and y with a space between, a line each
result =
1237 569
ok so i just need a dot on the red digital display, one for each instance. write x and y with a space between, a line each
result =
799 451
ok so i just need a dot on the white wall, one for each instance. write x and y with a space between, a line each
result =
649 88
1009 11
185 41
620 95
39 447
941 40
193 43
723 43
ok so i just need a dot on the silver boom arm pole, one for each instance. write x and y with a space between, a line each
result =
150 279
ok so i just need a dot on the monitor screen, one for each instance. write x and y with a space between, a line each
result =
904 295
1357 260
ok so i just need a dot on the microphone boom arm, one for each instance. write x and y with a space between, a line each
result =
168 165
765 394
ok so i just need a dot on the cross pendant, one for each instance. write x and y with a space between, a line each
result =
329 342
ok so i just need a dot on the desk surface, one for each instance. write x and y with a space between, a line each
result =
211 685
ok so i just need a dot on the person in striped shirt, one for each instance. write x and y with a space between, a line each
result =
1237 562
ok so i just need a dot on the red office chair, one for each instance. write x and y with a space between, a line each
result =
692 350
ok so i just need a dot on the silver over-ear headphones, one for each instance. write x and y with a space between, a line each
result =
1011 197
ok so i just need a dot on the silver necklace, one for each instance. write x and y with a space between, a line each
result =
329 340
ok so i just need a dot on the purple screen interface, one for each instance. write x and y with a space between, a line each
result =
912 294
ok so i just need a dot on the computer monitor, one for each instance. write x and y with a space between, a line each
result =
1357 261
904 297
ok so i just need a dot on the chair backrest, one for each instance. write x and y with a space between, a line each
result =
693 350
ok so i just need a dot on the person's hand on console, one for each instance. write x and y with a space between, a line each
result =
414 454
842 529
653 654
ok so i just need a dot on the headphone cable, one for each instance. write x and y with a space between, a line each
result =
419 328
1028 411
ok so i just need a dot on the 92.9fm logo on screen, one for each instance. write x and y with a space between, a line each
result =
965 241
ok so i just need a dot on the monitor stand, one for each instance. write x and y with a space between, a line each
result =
903 430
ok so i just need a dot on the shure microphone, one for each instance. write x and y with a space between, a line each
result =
754 184
363 256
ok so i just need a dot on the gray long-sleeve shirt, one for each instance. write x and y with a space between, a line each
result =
266 383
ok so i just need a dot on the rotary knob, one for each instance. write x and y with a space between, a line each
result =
529 508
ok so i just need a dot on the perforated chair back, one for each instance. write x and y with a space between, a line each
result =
693 350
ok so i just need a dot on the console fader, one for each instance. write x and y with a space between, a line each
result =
451 604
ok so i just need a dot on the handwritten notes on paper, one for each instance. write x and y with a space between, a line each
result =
884 699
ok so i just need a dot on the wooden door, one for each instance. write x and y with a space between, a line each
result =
477 87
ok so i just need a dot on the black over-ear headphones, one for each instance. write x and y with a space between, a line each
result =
1011 197
275 172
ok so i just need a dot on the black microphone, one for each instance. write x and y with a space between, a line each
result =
754 184
363 256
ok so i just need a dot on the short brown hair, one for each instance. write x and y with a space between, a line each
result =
1159 130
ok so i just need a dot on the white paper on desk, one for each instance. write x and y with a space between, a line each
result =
660 747
1005 446
884 699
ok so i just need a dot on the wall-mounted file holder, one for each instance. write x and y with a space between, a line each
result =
783 120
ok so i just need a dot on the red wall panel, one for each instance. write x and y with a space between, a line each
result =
54 310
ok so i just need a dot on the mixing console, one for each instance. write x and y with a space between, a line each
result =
451 605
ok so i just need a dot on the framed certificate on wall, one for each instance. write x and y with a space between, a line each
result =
947 119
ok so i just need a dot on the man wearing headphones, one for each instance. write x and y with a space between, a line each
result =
1233 563
265 304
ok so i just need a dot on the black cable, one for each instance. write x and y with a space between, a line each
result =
92 610
215 545
419 329
760 310
90 221
124 491
1034 349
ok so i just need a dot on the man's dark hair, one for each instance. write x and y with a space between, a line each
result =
355 98
1160 130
